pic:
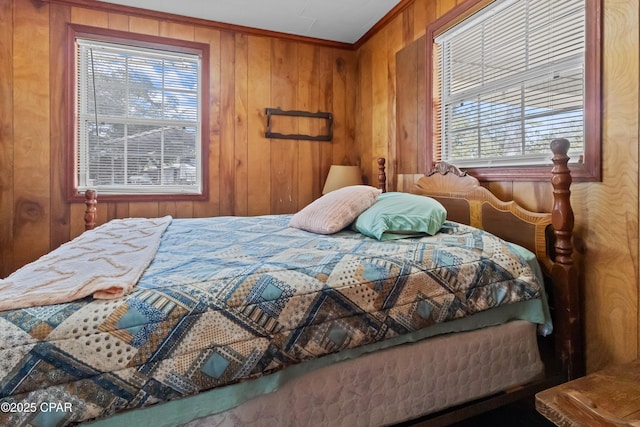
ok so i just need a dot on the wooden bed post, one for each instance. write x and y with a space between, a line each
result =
382 175
90 201
566 292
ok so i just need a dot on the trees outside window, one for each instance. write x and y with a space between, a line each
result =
509 76
139 108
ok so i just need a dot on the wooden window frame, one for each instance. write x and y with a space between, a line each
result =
142 40
589 168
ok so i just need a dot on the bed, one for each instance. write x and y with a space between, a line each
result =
253 321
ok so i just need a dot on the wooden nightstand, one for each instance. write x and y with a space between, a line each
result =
610 397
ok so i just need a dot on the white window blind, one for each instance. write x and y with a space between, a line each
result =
510 79
139 120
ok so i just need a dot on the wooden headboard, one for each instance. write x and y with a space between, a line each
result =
547 234
468 202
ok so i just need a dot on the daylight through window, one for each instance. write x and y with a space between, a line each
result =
139 119
511 78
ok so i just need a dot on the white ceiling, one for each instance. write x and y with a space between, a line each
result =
336 20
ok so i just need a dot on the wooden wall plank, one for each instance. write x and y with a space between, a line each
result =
118 21
407 110
339 151
144 209
308 152
351 146
364 117
167 208
503 190
177 209
379 97
284 152
176 30
611 208
32 175
184 209
443 6
537 196
60 227
141 25
77 211
421 15
345 72
84 16
421 94
241 171
226 183
408 23
121 210
7 140
397 32
324 95
211 207
259 147
315 79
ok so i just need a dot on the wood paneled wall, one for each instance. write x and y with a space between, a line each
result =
606 213
248 174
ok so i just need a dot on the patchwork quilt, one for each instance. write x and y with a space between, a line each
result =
229 299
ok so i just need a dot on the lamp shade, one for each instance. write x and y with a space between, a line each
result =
341 176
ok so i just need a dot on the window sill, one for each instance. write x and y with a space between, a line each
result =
79 197
579 173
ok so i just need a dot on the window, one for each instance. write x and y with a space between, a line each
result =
510 76
138 115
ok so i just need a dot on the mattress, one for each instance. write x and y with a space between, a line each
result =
227 300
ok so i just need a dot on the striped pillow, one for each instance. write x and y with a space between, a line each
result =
335 210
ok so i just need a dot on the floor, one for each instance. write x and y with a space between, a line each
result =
520 414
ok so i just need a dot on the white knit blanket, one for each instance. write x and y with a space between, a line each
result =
105 262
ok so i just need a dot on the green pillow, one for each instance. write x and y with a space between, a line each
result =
398 215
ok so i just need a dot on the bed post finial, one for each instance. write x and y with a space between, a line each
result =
382 176
568 323
90 200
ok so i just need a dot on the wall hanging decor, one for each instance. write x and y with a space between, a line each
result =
326 117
